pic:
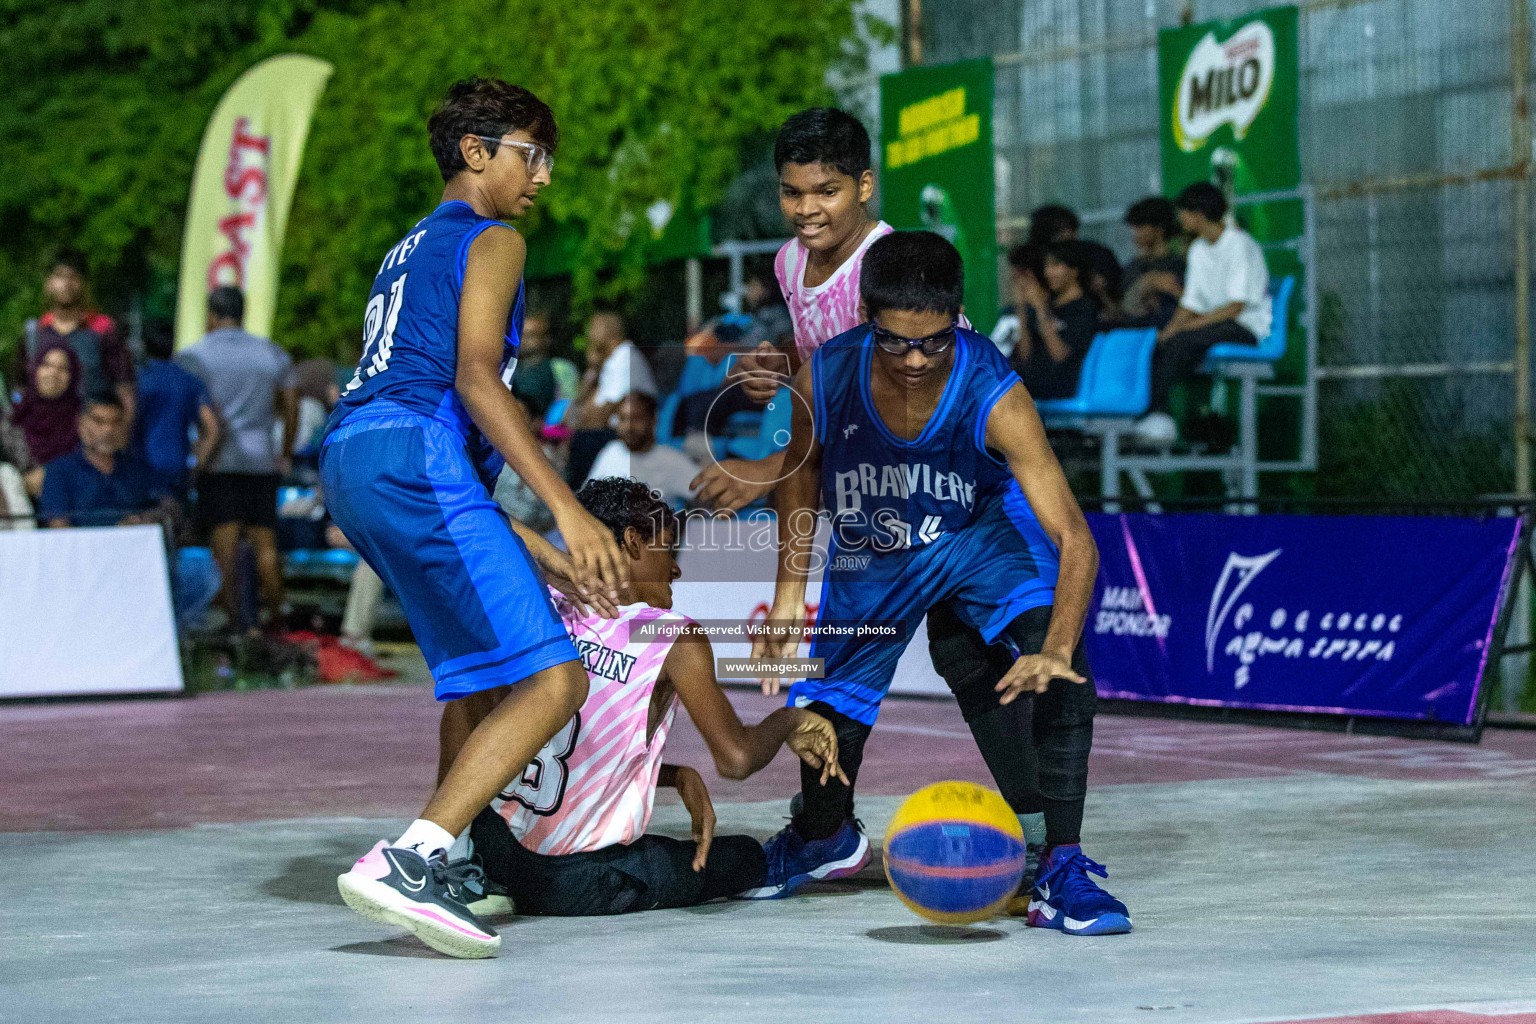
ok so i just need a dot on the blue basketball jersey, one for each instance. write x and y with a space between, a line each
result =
885 494
411 324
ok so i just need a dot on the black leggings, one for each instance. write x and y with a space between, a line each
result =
1036 747
651 873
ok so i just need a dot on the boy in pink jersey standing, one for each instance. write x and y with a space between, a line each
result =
568 836
825 184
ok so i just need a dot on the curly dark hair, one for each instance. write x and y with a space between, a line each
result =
620 502
488 107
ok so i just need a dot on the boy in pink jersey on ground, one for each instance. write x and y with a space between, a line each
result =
568 837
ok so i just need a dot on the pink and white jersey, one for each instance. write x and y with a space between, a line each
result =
594 783
832 307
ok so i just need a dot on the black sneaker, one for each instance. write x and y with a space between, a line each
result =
431 898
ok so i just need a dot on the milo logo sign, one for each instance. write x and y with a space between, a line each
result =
1224 83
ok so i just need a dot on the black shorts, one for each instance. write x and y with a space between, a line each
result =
249 499
651 873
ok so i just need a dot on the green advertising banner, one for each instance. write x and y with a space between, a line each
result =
936 167
1228 91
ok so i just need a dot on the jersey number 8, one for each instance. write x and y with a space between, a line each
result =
542 786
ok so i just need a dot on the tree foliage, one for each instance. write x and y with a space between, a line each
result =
107 100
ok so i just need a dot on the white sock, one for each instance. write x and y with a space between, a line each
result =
426 837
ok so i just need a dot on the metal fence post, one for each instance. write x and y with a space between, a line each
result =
1520 146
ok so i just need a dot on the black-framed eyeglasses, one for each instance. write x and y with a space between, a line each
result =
931 344
539 158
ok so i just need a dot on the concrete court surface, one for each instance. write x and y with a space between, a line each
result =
175 861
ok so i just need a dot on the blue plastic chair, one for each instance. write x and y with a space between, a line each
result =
699 374
772 430
1116 378
666 417
1271 348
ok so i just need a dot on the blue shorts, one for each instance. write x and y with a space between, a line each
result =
990 572
402 488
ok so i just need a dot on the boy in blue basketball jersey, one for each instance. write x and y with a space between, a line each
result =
406 463
925 450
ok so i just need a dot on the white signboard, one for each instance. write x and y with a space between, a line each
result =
728 571
86 611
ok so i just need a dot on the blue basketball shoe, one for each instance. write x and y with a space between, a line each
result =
794 861
1066 899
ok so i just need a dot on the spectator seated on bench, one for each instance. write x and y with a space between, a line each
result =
1225 299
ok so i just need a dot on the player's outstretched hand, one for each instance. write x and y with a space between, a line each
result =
729 484
561 574
1034 672
600 565
814 741
759 372
780 639
695 796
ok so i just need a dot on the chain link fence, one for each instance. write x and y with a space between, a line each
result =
1407 138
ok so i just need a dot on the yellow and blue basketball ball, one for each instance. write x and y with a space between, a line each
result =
954 852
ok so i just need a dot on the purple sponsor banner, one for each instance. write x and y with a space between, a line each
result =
1355 615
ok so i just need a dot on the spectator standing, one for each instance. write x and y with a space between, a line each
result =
172 404
1054 223
1154 279
615 367
105 363
1059 322
1225 298
250 381
47 417
635 453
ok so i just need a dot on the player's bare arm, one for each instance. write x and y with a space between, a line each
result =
491 276
741 750
798 501
701 809
1014 429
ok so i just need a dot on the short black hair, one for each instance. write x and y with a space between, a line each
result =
1153 212
104 398
1028 258
227 302
1046 222
823 135
619 502
1203 198
488 107
159 338
74 259
914 271
1075 254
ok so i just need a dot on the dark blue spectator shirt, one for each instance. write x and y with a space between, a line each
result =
77 491
169 398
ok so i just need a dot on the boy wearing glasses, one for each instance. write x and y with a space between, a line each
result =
406 462
911 436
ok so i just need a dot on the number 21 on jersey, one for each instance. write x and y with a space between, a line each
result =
379 322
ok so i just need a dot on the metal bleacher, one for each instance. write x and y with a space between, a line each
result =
1115 388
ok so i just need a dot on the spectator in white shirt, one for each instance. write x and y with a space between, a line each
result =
1226 292
635 453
